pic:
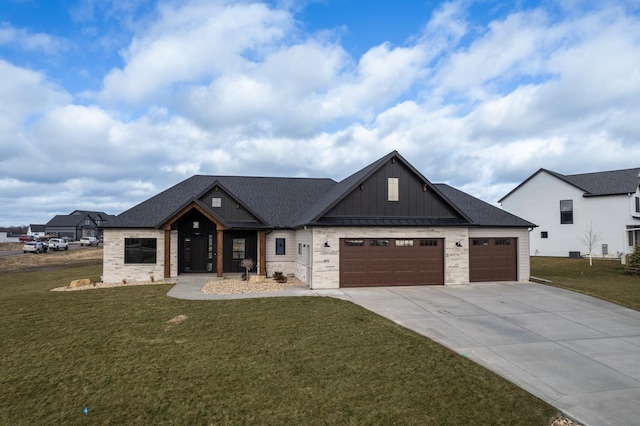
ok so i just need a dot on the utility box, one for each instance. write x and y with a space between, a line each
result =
574 254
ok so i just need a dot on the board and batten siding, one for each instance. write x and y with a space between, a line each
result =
285 263
522 236
538 201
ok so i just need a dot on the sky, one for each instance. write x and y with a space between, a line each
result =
105 103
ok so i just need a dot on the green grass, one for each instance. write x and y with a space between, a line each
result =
606 279
254 361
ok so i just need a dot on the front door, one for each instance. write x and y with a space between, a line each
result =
199 253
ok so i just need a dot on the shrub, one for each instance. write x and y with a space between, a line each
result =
633 266
279 277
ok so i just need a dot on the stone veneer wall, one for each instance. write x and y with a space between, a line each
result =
115 270
326 261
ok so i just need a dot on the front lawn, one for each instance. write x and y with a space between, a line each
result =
132 355
606 279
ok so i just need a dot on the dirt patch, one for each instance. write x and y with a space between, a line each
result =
10 247
26 262
177 320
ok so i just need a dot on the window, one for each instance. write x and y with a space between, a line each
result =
299 248
404 243
480 242
87 222
216 202
239 245
637 204
544 234
566 212
140 250
379 243
393 192
354 243
431 243
502 242
280 246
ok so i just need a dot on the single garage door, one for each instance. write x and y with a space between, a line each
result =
493 259
368 262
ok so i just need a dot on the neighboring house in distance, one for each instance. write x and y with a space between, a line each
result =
78 224
384 225
568 208
7 237
36 230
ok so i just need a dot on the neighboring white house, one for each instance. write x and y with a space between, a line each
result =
571 210
36 230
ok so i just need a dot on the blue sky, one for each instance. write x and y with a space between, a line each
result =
104 103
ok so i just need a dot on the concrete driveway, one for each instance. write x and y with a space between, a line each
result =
578 353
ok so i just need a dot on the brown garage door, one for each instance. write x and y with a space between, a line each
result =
493 259
367 262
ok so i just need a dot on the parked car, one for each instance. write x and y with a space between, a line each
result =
88 241
33 247
58 244
25 238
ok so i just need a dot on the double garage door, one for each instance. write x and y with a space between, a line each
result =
369 262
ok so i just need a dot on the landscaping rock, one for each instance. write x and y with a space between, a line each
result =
80 283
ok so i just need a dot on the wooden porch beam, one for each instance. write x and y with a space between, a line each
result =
262 237
167 252
220 255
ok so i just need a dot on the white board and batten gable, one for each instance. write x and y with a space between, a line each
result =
611 216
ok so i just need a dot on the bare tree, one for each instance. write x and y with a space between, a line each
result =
589 240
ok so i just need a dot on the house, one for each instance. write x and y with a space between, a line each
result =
573 212
36 230
78 224
384 225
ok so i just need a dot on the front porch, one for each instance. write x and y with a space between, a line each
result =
196 242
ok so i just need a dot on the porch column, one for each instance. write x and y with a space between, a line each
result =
167 252
262 249
219 238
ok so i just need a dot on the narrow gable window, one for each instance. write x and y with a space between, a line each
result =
393 190
566 212
216 202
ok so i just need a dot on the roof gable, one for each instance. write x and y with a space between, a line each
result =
362 197
614 182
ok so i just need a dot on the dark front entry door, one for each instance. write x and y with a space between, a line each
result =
197 250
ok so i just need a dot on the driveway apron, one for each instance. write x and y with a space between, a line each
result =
578 353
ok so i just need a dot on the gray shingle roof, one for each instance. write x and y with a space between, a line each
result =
613 182
294 202
480 212
66 220
606 183
276 200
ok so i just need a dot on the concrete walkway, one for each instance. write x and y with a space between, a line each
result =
578 353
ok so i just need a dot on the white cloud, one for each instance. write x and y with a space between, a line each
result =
190 42
22 39
237 88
